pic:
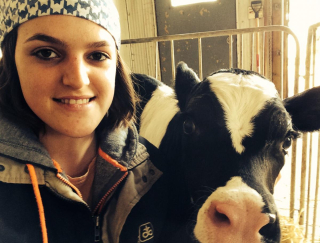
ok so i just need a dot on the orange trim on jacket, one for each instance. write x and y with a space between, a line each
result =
116 164
111 160
56 164
99 207
35 185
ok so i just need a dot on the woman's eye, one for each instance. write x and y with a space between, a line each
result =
98 56
46 54
287 143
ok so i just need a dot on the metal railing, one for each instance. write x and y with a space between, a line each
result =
229 33
309 147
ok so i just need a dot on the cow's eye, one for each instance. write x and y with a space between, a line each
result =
291 135
287 143
188 126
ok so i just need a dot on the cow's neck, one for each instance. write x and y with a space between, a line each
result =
157 114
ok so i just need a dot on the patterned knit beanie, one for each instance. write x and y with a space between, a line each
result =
102 12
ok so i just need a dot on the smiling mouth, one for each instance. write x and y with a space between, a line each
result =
74 101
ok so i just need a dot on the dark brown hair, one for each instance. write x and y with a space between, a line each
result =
14 106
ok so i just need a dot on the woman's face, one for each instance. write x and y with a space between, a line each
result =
67 67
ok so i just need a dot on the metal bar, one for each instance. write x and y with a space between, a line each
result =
314 41
262 47
173 65
303 178
304 142
281 65
157 61
240 50
216 33
270 44
200 58
230 52
253 66
316 194
257 56
309 187
254 52
308 50
293 179
308 208
308 58
284 65
294 145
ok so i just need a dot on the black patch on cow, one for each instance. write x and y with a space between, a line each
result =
270 125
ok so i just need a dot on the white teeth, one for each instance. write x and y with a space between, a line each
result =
74 101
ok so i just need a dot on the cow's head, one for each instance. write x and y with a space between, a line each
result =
235 132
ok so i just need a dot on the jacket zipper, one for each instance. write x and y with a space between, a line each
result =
97 229
97 236
97 210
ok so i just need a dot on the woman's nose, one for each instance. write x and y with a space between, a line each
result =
76 73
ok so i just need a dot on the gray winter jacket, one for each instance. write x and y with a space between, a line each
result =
128 197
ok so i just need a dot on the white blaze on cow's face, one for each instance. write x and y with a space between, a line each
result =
241 97
157 114
232 213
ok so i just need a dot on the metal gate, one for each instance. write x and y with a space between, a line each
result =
310 159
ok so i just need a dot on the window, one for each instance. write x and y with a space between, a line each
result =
175 3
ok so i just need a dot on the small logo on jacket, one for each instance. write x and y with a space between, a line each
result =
145 232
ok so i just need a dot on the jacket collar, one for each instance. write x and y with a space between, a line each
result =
19 142
120 144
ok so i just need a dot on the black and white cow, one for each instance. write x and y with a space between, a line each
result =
226 139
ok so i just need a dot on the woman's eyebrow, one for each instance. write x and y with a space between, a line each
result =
53 40
46 38
98 44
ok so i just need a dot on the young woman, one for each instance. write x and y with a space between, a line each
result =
72 168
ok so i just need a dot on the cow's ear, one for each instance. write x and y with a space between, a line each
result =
304 109
186 79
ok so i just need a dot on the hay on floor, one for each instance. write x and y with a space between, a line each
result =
291 232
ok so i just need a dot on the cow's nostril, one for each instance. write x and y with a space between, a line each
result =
221 218
272 229
235 213
223 215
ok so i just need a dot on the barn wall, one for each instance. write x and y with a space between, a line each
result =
199 17
149 18
137 19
